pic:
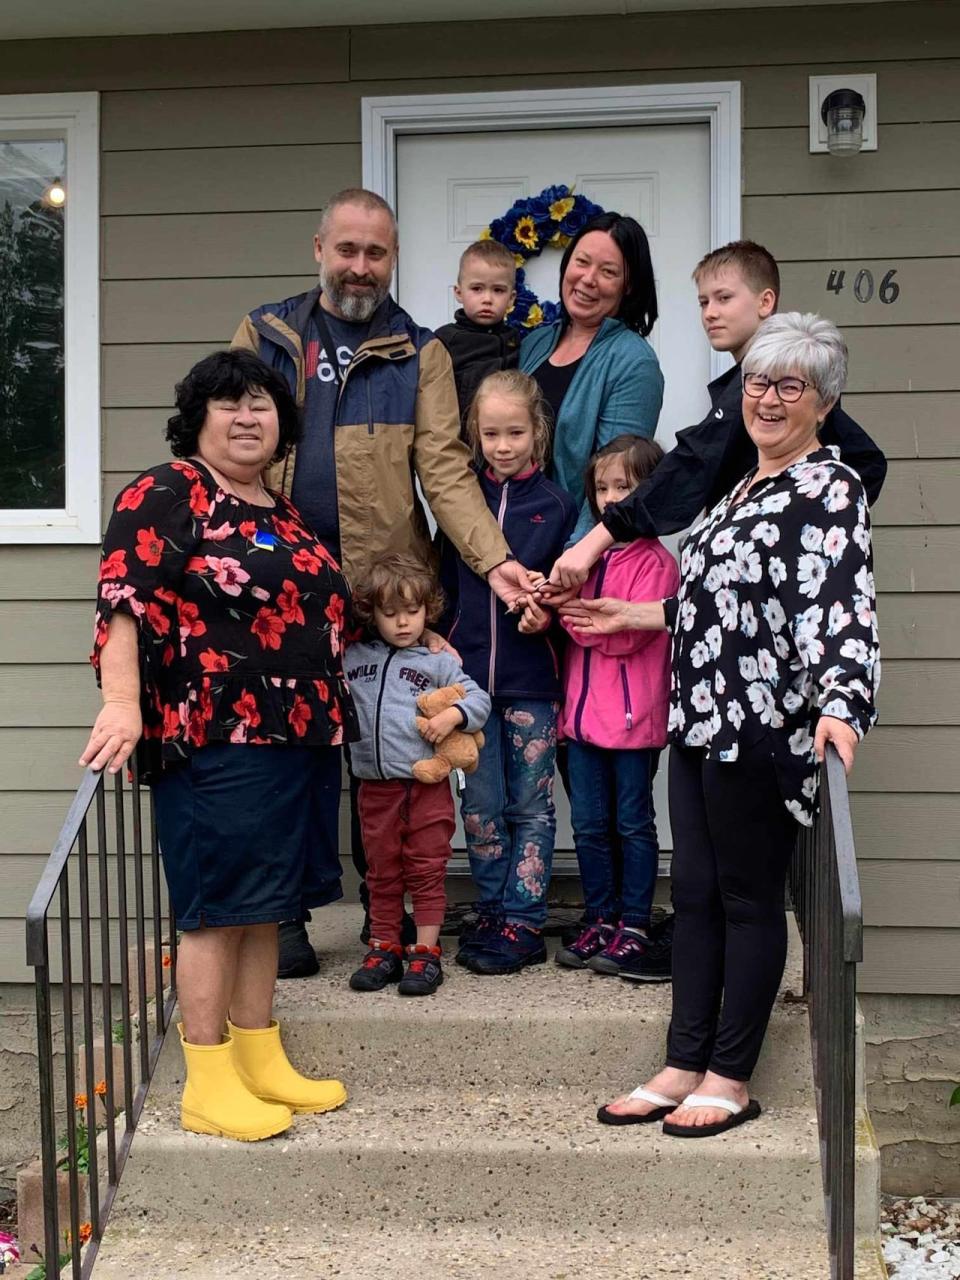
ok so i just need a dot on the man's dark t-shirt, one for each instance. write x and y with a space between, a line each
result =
710 458
315 476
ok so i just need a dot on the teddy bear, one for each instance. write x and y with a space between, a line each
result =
458 750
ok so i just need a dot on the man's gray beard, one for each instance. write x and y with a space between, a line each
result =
356 307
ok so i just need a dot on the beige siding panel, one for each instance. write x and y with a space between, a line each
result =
652 40
182 246
910 157
189 310
920 493
21 873
42 759
133 439
48 631
47 694
910 424
47 573
917 559
205 58
929 288
240 178
141 377
905 358
898 825
918 693
910 224
899 758
920 626
911 961
31 820
925 895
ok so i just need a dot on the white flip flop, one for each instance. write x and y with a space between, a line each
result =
738 1115
661 1102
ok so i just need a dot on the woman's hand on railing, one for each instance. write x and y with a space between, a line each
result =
116 731
843 737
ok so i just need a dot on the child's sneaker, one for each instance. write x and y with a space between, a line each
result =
656 963
622 954
513 948
478 936
381 964
587 944
424 971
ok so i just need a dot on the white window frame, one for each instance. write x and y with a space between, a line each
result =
715 103
75 117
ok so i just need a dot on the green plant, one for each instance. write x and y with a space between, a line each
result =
116 1032
81 1131
955 1098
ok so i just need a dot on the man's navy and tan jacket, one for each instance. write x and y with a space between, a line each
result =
397 418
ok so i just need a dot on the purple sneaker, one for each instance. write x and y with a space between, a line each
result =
622 954
591 941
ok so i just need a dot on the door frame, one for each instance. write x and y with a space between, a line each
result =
715 103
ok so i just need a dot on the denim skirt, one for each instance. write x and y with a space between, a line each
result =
248 833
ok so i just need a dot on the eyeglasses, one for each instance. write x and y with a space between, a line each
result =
788 389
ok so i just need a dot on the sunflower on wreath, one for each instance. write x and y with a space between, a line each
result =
549 220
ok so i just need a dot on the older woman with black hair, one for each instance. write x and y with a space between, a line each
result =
594 366
775 654
218 649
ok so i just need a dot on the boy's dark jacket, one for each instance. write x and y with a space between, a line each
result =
709 459
537 518
476 350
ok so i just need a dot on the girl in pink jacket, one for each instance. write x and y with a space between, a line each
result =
616 693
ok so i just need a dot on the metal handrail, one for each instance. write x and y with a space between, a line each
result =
825 889
73 851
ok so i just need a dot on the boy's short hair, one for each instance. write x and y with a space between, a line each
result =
640 457
397 577
492 252
756 264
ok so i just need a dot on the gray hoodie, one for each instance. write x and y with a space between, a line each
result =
385 684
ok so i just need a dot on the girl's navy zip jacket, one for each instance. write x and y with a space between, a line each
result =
537 518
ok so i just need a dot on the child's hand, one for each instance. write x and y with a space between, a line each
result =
441 725
534 618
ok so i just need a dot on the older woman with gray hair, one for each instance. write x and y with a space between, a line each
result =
775 654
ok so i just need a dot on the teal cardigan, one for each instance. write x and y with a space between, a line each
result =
617 390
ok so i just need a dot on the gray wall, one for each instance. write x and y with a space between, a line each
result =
218 151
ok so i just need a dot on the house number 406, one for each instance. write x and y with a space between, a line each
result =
863 285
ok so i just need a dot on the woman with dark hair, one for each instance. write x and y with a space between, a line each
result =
594 366
218 650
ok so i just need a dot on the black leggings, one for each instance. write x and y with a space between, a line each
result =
732 841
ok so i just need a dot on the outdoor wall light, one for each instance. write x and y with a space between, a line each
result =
842 112
55 194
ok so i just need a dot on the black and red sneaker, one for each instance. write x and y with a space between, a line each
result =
381 964
424 971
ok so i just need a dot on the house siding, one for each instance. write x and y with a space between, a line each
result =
217 152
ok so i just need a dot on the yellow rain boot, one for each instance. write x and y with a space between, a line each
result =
215 1099
263 1067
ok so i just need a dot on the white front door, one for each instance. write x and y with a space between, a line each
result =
450 186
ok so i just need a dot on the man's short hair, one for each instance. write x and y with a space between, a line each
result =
756 264
491 251
356 195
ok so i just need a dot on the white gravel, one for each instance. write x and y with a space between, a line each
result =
921 1238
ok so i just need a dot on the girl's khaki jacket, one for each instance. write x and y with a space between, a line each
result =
397 420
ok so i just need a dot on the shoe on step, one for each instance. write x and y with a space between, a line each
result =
479 935
263 1066
515 947
424 971
216 1101
585 946
297 957
381 964
623 953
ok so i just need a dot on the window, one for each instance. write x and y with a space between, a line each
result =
49 319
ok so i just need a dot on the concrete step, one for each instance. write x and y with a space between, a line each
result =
544 1027
398 1252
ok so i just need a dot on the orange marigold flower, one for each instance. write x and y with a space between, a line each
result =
100 1088
80 1101
167 962
86 1231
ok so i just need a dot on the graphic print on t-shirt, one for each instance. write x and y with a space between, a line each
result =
318 362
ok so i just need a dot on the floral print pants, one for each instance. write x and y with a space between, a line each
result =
508 814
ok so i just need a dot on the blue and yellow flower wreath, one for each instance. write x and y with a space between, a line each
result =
547 221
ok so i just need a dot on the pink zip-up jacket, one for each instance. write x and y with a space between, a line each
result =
617 687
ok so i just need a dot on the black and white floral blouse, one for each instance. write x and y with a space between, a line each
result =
775 621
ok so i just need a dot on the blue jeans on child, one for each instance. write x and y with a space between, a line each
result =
508 815
614 789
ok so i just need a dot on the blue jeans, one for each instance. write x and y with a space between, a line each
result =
508 814
614 788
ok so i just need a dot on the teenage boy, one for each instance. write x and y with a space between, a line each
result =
738 286
479 340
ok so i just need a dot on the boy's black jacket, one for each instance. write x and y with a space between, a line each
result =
476 350
709 459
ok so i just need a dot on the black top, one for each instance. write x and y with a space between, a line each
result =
709 459
476 351
554 381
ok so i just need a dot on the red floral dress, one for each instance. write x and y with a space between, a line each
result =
240 613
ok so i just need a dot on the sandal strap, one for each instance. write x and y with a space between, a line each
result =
649 1095
707 1100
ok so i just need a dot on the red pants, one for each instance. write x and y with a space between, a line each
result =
407 828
